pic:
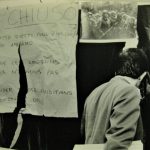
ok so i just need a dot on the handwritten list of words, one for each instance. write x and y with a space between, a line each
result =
47 35
9 80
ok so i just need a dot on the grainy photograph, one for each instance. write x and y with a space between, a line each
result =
74 75
108 20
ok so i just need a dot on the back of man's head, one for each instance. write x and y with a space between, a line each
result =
132 63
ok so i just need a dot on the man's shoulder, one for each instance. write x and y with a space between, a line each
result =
121 83
96 92
116 86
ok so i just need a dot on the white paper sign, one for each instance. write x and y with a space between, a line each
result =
9 77
48 36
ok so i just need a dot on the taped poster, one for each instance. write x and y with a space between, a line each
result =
48 38
9 56
9 76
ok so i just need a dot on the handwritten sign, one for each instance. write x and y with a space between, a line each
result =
47 34
9 79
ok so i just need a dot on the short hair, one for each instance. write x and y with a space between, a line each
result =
132 63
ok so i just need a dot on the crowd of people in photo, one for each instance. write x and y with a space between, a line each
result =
105 24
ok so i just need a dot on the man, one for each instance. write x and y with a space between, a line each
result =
112 111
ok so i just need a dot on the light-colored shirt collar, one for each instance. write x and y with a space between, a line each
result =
129 80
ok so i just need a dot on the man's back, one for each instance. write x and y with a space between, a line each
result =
111 114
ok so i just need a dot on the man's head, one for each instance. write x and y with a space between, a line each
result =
132 63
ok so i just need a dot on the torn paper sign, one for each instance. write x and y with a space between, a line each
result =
9 78
47 34
9 59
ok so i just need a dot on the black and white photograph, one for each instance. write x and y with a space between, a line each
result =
74 75
108 20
